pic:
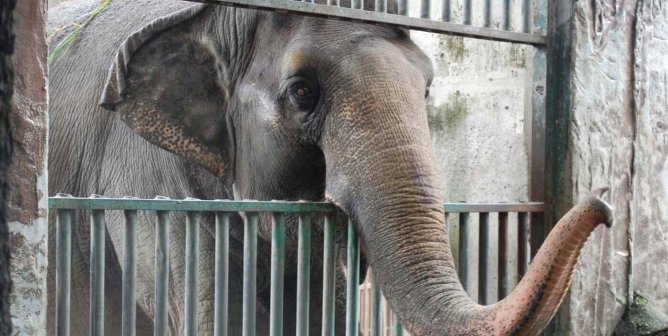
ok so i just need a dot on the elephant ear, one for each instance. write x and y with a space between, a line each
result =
165 84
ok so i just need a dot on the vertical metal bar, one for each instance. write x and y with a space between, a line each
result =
379 5
464 251
526 16
506 14
356 4
376 308
329 276
161 273
503 276
303 273
467 12
483 249
425 8
522 243
538 73
129 319
192 268
97 249
352 288
333 2
222 268
445 11
250 271
63 270
397 329
487 13
277 274
403 7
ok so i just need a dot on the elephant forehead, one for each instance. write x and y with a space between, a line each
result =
296 60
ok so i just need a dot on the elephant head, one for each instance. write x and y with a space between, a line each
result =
289 107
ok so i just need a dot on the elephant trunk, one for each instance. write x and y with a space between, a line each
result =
382 171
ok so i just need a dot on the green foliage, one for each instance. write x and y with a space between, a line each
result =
78 27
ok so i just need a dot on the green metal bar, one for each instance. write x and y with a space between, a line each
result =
397 329
402 20
445 11
522 244
277 274
258 206
503 276
250 274
376 309
483 249
464 251
467 13
63 271
403 7
97 249
506 15
425 8
192 268
161 273
487 14
329 276
189 205
129 305
303 273
222 268
352 288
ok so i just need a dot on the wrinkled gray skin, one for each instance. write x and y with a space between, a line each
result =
178 99
234 98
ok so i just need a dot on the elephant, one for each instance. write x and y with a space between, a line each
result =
180 99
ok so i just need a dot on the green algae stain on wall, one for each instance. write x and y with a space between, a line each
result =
448 116
453 47
517 56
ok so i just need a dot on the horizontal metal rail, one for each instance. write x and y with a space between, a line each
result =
65 205
256 206
353 14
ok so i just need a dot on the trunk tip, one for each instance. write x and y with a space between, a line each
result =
602 207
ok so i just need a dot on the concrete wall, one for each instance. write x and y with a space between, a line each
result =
476 114
27 208
610 127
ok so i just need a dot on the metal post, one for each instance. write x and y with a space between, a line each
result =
403 7
464 251
506 14
397 329
329 276
303 273
522 244
277 274
192 268
97 249
487 12
129 319
352 288
250 274
222 268
161 273
467 12
425 8
503 276
483 249
445 11
63 270
376 308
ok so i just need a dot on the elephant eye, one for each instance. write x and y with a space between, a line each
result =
303 94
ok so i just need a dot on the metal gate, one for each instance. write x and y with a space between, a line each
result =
65 205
